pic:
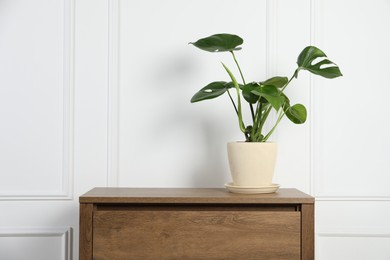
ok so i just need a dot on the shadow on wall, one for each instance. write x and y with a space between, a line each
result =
214 157
197 130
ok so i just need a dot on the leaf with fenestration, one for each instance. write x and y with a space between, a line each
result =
212 90
296 113
271 94
219 43
278 82
321 65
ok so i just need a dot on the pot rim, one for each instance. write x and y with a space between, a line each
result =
243 142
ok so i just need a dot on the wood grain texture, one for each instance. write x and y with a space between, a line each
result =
161 234
307 215
86 243
187 195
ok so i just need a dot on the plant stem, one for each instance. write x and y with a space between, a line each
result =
259 112
238 66
288 82
235 108
257 121
239 113
264 118
231 99
243 81
273 128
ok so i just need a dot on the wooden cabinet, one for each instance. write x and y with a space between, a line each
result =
136 223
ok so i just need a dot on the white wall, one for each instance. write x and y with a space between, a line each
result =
96 93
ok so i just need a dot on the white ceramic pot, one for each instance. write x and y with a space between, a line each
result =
252 164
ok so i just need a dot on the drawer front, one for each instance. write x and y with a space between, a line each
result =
196 234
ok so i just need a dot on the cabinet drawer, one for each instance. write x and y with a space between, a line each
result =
195 234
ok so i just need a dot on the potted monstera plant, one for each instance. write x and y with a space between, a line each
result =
252 161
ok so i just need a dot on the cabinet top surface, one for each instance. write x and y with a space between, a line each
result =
191 195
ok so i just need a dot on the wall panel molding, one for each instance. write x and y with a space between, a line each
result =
113 94
317 105
69 36
64 233
346 235
351 198
314 107
271 37
271 52
352 247
65 193
311 103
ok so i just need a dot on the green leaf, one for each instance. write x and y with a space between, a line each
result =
296 113
324 68
247 92
212 90
219 43
278 82
271 94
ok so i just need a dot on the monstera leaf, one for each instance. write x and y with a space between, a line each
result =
323 67
212 90
219 43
